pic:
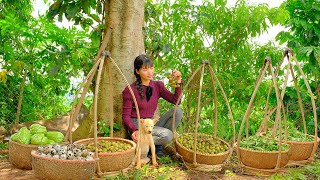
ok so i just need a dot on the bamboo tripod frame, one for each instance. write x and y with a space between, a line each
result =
290 57
214 80
288 53
267 64
99 63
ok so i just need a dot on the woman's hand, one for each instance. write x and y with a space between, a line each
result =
134 136
177 75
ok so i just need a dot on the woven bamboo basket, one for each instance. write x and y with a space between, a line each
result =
55 169
110 162
202 158
263 159
300 151
20 154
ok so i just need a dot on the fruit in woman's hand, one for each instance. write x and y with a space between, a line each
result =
172 81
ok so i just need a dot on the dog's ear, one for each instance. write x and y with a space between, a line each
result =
141 121
155 121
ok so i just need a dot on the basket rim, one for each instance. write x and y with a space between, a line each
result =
133 148
74 161
35 145
25 145
269 152
306 142
205 154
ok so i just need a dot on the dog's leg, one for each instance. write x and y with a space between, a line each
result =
153 153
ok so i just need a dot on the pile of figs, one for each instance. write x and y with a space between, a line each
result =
206 144
105 146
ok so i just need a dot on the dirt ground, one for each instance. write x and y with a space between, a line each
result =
229 171
8 171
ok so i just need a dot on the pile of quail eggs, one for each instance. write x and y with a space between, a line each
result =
66 152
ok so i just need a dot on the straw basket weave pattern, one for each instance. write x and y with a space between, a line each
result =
263 159
56 169
300 151
20 154
201 158
116 161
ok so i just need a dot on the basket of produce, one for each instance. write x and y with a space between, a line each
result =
301 144
209 150
67 161
262 153
195 144
302 150
24 141
114 153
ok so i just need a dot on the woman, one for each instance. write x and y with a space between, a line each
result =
147 93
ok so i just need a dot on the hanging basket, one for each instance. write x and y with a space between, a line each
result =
194 157
256 159
20 154
55 169
300 151
203 158
263 159
116 161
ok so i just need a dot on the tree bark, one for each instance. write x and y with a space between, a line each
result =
126 18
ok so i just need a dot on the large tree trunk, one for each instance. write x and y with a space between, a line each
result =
126 18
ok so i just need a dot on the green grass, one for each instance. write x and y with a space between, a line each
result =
310 171
3 145
167 169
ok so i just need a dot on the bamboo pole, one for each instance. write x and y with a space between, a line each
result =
278 114
76 107
197 118
299 98
226 100
215 103
179 99
110 98
247 113
21 96
313 106
95 113
134 100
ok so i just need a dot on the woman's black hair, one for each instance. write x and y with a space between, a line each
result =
141 61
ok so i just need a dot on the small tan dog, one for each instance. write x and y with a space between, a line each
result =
146 142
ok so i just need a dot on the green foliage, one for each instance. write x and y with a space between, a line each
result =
49 56
86 13
104 129
303 36
293 135
261 143
187 34
164 171
310 171
4 145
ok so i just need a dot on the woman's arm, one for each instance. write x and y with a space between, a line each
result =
126 110
167 95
